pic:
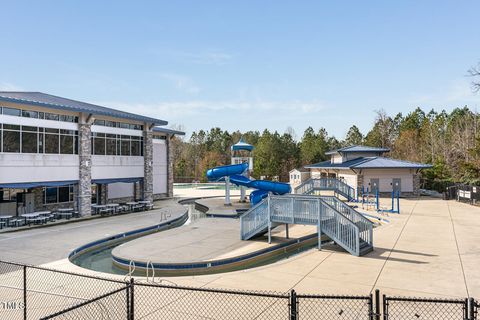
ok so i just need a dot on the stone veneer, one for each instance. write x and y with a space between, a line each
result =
148 165
169 167
416 184
85 170
359 184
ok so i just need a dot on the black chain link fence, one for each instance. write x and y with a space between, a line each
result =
335 307
401 308
30 292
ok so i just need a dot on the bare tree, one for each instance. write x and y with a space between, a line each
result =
475 72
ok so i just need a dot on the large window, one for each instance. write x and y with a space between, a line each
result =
26 139
58 194
37 115
111 144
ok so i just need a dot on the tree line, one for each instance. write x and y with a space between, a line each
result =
450 141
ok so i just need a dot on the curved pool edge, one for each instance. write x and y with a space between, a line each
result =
128 235
246 261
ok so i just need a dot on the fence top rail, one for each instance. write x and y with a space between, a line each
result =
333 297
86 302
64 272
212 290
432 300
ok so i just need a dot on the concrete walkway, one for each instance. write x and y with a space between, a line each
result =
431 249
43 245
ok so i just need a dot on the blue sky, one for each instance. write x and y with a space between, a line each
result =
246 64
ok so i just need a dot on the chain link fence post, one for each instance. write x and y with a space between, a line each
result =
132 301
293 305
25 292
377 305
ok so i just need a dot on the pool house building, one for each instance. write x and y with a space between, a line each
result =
57 152
366 168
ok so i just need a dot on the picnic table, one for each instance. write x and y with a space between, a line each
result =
131 204
65 212
98 207
4 221
33 217
113 206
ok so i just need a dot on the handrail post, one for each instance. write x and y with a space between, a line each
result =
269 221
319 225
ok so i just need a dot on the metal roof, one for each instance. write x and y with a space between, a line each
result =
168 131
59 103
358 148
370 163
242 145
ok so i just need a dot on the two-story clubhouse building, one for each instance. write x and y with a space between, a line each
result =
57 152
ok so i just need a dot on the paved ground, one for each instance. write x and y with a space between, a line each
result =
43 245
431 249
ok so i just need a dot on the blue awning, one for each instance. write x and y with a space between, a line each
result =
115 180
28 185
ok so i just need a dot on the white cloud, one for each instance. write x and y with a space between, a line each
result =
182 83
6 86
177 109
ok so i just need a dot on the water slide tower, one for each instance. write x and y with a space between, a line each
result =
242 152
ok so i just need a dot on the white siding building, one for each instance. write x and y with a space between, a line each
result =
366 170
56 152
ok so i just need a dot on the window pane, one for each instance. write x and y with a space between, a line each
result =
11 127
29 114
99 146
64 194
11 141
29 142
51 195
66 144
111 147
125 148
51 116
75 144
135 148
51 143
12 111
124 125
27 128
40 143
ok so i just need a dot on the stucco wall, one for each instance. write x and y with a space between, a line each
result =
159 166
120 190
108 167
385 177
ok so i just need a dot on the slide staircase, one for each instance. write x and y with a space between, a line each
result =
347 227
320 184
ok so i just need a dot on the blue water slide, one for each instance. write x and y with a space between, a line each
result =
235 172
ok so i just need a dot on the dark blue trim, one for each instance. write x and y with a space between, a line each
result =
115 180
28 185
215 263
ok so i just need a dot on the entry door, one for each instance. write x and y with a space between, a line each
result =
374 185
397 184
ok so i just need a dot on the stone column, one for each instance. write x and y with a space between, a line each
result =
416 184
85 169
38 199
147 165
169 166
103 193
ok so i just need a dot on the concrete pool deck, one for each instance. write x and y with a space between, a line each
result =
431 249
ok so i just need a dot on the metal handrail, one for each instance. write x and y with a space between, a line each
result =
338 221
335 184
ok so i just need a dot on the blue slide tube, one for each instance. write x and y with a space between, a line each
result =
235 173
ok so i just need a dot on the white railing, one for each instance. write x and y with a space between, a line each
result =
343 225
254 220
337 185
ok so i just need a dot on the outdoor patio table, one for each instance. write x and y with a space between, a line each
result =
43 213
97 207
5 220
29 216
114 206
65 212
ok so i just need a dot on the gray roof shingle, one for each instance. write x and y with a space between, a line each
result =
357 148
370 163
59 103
